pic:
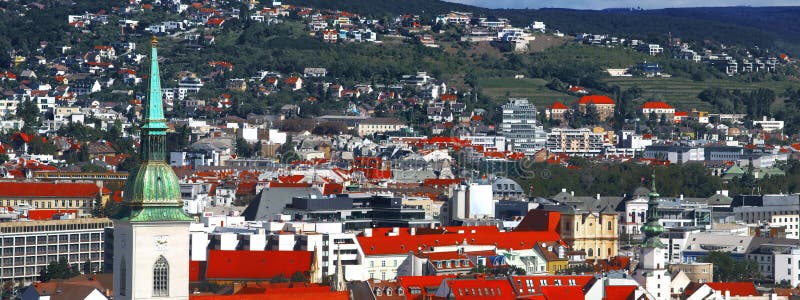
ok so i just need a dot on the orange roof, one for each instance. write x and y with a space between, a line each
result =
596 100
449 97
280 291
656 105
681 114
102 47
215 21
423 283
292 80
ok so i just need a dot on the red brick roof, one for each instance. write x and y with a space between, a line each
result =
596 99
256 265
37 189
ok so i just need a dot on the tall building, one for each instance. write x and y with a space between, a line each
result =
151 231
520 127
652 270
27 247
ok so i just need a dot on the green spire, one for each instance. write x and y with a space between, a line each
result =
652 229
152 192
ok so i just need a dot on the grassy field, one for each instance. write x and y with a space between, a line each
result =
682 93
500 89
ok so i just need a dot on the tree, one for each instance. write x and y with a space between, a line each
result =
87 267
92 168
28 112
298 277
243 148
279 279
60 269
728 269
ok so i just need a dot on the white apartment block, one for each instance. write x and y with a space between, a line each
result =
27 247
791 222
520 127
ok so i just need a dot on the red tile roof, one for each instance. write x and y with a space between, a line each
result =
736 288
280 292
256 265
656 105
481 289
558 105
48 214
38 189
380 243
423 283
596 99
620 292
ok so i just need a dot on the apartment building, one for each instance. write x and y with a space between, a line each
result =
27 247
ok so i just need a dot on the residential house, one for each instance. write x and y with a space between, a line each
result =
604 105
294 82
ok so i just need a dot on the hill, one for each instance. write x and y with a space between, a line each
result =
766 27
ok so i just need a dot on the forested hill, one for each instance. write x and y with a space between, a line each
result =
767 27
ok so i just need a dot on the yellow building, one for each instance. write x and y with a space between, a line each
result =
79 196
554 255
594 232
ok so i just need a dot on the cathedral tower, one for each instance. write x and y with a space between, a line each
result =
151 231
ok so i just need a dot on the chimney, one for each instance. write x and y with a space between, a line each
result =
572 193
412 231
598 196
681 197
368 232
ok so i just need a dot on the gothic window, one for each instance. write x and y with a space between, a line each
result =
161 278
123 277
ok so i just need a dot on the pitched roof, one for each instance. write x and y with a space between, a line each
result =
747 288
558 105
38 189
620 292
256 265
423 283
656 105
481 289
383 243
596 99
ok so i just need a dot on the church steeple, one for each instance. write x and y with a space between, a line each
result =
652 229
152 192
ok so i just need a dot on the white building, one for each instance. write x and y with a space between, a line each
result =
27 247
787 266
472 201
790 222
578 142
487 141
770 125
520 127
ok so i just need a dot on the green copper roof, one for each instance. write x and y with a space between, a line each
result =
152 192
652 229
154 115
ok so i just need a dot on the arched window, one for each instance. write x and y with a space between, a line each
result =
123 277
590 253
161 278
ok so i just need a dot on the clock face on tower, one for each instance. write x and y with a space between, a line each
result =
160 242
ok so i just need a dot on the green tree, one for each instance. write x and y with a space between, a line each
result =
28 112
726 268
87 267
279 279
298 277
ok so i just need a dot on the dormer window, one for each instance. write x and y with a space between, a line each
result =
378 291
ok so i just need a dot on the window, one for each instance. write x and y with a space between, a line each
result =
383 263
388 291
161 278
123 274
378 291
590 253
400 292
609 225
